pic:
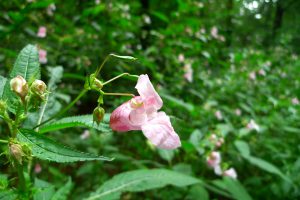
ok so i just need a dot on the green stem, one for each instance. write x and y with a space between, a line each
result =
42 113
65 109
102 64
118 94
22 184
119 76
3 141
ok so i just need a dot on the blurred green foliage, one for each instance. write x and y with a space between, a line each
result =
244 55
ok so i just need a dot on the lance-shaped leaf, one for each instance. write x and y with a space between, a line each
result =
141 180
47 149
27 65
123 57
77 121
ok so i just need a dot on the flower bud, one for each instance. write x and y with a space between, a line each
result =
39 88
16 152
98 114
19 86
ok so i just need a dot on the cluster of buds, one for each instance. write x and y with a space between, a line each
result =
33 94
216 141
98 114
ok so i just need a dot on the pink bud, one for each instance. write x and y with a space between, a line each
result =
43 56
295 101
218 115
262 72
238 112
181 57
188 72
19 86
85 134
214 159
252 76
253 126
214 32
37 168
42 32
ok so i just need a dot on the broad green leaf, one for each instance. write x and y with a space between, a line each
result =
43 190
141 180
123 57
2 84
243 148
198 192
63 192
47 149
81 121
165 154
8 195
27 65
236 189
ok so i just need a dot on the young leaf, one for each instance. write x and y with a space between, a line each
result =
27 65
63 192
47 149
141 180
81 121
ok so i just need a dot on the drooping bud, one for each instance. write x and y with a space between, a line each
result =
39 88
16 152
98 114
19 86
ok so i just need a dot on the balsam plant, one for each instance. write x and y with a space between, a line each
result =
23 95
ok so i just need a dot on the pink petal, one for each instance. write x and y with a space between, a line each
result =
148 93
126 117
161 133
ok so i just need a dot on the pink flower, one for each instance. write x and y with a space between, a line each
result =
214 159
37 168
218 115
188 72
50 9
230 173
252 76
262 72
214 32
253 126
181 57
295 101
85 134
43 56
141 113
42 32
238 112
218 170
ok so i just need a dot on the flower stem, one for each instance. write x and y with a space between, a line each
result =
101 66
118 94
3 141
65 109
119 76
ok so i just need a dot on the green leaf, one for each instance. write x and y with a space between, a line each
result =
44 190
243 148
63 192
81 121
166 154
123 57
177 102
8 195
141 180
198 192
47 149
236 189
27 65
56 74
2 84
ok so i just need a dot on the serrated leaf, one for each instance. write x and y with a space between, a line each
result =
47 149
76 121
141 180
27 65
123 57
63 192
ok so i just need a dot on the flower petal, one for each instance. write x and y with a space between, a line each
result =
161 133
127 118
148 93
